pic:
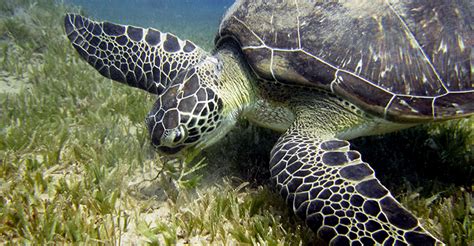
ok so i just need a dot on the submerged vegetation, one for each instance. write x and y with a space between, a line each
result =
76 164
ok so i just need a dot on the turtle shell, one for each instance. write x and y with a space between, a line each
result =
407 61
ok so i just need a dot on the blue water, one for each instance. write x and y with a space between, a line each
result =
197 20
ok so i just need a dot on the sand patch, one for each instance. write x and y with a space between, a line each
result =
11 84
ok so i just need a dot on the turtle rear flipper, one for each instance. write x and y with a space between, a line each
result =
144 58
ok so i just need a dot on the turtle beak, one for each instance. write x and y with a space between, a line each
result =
169 151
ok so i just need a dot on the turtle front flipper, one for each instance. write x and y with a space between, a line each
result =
337 194
142 58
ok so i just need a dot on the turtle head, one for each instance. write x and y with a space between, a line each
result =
189 113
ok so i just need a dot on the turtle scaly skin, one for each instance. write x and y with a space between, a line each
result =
329 185
144 58
319 72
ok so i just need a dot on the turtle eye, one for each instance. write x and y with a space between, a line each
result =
180 134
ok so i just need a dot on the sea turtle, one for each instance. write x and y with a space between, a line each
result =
320 72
